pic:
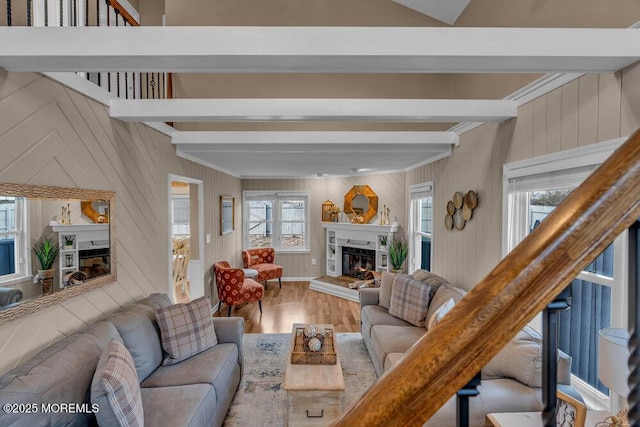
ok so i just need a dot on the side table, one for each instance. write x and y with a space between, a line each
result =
250 273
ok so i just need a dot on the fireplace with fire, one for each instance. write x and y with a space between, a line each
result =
94 258
356 262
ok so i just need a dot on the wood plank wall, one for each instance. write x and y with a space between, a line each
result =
591 109
390 189
51 135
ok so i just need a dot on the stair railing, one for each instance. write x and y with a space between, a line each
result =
80 13
517 289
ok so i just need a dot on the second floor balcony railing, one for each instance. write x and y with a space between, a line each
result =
81 13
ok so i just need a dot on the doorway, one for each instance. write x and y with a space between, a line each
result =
186 245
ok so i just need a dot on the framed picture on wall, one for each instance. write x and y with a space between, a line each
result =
227 214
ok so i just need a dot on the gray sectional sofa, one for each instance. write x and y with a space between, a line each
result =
195 392
511 382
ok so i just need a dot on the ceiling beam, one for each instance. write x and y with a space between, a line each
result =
316 109
223 139
318 49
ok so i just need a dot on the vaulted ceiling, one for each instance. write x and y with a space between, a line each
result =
373 81
284 88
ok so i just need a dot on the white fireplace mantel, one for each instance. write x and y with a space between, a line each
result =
361 228
365 236
84 232
358 235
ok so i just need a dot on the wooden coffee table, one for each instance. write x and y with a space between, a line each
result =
314 392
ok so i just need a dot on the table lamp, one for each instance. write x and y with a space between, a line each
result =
613 363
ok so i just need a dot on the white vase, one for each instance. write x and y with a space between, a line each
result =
46 274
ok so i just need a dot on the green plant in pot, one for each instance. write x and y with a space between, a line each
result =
398 250
46 250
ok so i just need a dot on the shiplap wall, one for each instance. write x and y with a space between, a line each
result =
390 189
51 135
591 109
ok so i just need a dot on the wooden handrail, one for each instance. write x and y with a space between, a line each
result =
517 289
123 12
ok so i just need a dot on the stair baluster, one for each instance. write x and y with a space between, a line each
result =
634 324
550 354
462 403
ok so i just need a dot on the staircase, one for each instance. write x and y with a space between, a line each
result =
519 287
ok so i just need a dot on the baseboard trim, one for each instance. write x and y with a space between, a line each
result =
338 291
295 279
216 308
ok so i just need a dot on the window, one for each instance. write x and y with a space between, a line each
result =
13 240
533 189
421 226
180 216
276 219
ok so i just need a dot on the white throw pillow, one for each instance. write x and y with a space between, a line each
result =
440 312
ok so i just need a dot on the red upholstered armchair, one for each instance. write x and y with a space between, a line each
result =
262 260
234 289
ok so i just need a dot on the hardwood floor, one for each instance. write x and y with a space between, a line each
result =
296 303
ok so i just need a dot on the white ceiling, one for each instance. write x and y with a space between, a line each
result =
289 161
316 49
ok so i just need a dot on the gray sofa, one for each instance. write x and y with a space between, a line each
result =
195 392
9 296
511 382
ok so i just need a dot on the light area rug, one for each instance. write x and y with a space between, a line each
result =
260 400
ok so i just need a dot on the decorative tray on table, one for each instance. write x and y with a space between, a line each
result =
302 354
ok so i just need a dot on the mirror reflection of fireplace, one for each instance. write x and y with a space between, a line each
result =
94 261
356 262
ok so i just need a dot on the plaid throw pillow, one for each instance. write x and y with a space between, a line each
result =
116 389
409 300
186 329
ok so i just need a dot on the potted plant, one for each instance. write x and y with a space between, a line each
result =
46 249
398 250
68 242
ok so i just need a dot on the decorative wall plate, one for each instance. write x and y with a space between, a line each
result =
457 199
458 221
467 212
448 222
451 208
460 209
471 199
